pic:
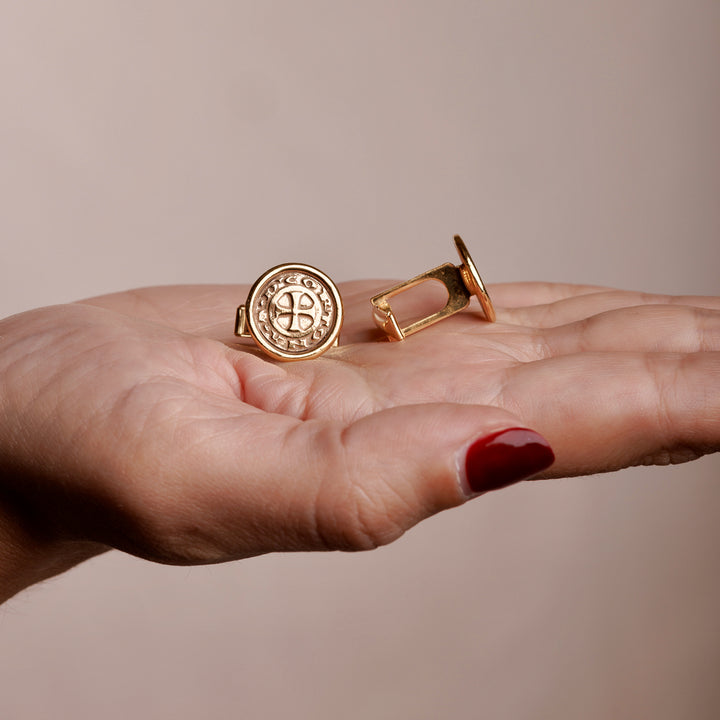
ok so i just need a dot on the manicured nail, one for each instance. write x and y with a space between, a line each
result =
505 458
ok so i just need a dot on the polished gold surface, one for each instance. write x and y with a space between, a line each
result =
472 280
461 282
293 312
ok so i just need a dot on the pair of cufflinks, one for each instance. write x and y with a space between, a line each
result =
295 312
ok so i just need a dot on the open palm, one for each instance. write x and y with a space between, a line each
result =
138 421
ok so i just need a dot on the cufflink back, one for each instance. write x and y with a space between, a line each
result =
293 312
461 282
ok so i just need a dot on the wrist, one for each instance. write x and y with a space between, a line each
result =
28 557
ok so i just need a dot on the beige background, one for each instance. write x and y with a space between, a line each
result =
165 142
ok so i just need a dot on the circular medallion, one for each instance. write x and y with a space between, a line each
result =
294 312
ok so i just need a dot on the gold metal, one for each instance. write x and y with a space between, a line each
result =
461 282
293 312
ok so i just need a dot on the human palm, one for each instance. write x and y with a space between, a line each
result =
138 421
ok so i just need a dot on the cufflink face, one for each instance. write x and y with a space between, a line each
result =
293 312
461 282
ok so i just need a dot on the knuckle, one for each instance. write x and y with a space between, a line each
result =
357 509
354 522
663 378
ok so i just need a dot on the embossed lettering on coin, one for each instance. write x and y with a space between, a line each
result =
294 311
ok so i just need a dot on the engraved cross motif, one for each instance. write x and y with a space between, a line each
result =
296 311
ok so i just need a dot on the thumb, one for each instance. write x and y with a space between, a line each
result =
276 483
390 470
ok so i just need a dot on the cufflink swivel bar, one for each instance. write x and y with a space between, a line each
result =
461 282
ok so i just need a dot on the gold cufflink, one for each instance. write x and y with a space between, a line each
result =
293 312
461 282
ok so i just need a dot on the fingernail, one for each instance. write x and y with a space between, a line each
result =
505 458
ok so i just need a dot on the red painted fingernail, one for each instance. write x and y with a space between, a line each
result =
506 457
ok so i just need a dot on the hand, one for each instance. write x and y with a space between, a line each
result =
138 421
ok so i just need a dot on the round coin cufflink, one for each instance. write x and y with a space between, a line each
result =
293 312
461 282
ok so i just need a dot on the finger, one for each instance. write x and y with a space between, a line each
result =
523 294
651 328
198 309
275 483
581 306
606 411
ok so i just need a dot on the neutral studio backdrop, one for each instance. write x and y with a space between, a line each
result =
170 142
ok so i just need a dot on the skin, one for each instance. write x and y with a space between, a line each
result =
137 421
